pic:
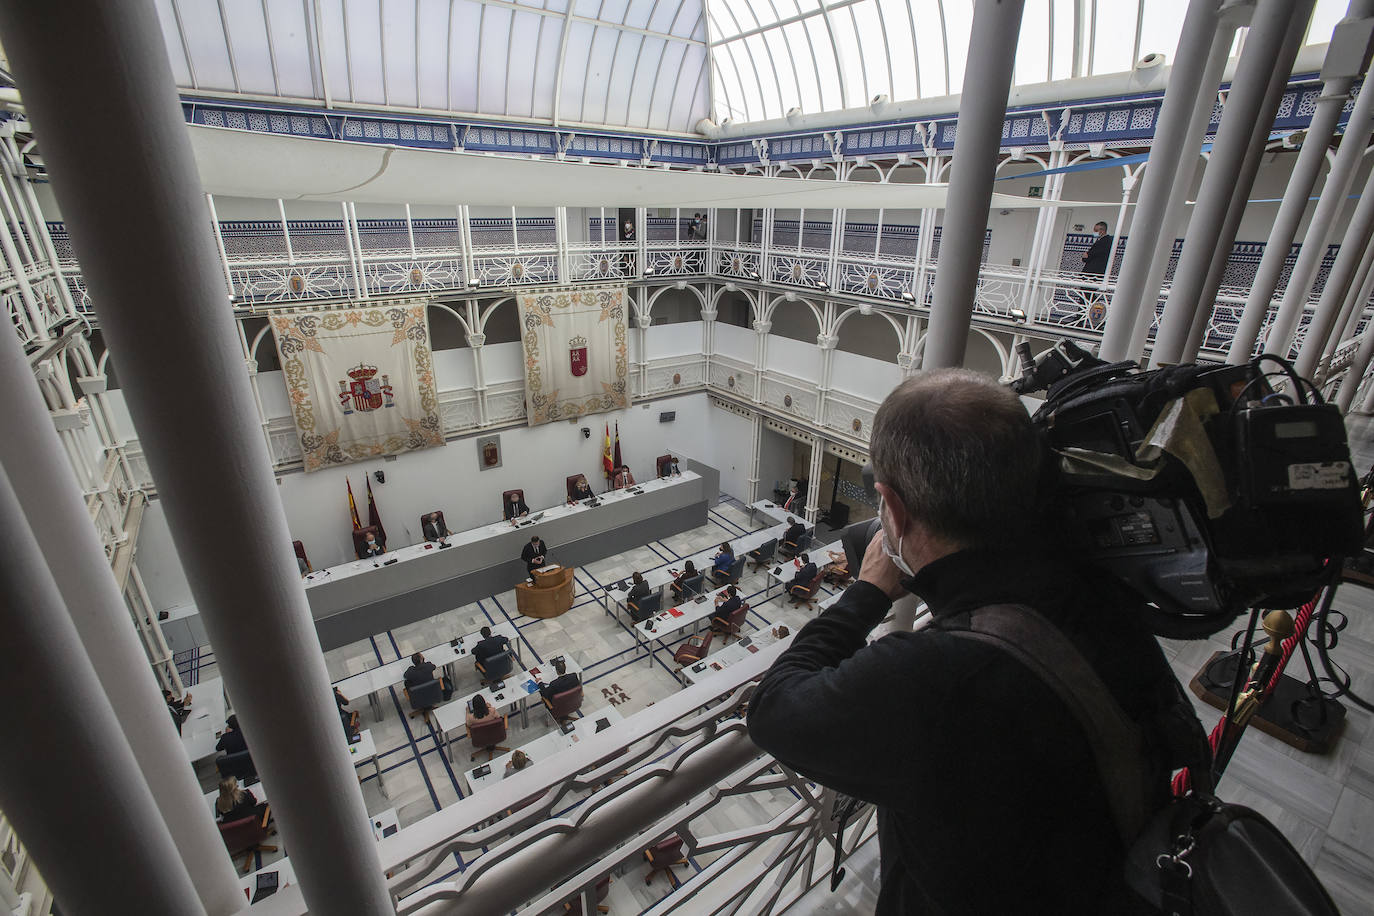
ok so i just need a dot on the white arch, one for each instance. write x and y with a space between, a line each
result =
444 307
892 322
653 297
773 305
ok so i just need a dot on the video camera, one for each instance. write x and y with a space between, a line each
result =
1205 490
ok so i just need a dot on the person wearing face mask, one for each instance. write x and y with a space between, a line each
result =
1095 261
987 790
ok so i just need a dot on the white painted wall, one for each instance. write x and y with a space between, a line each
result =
860 375
736 343
680 339
725 446
797 359
775 461
158 563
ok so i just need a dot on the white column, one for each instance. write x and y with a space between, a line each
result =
761 329
1339 281
756 444
219 244
286 232
68 781
410 233
813 480
110 62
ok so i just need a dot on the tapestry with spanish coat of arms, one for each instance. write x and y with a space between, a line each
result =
360 382
576 358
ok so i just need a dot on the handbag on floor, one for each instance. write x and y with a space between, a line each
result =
1195 856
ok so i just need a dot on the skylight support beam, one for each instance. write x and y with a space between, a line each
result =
799 17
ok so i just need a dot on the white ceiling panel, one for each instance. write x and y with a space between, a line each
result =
640 63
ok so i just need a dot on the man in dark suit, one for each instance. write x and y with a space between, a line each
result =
804 575
489 646
434 527
793 536
562 683
516 508
231 739
1095 261
422 672
371 547
534 555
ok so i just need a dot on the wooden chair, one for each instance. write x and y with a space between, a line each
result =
244 836
664 464
662 856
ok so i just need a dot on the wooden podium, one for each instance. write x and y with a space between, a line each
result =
549 596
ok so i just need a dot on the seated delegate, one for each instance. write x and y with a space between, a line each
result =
720 566
479 713
622 478
795 530
534 554
580 490
489 646
804 575
515 508
233 802
231 740
689 570
422 672
371 548
727 602
434 528
563 682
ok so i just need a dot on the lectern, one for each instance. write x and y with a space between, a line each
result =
549 596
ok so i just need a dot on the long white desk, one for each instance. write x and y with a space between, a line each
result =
362 751
737 651
516 689
355 599
788 569
383 824
372 682
208 712
671 622
543 747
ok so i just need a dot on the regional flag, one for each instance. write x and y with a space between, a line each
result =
373 518
352 506
606 460
617 462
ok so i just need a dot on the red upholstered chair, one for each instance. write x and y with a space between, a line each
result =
438 512
662 856
488 737
244 836
572 482
505 499
563 706
599 892
664 464
734 623
360 538
806 594
300 552
693 650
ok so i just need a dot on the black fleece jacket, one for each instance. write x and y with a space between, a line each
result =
987 792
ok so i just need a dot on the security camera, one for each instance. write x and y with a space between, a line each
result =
586 432
380 476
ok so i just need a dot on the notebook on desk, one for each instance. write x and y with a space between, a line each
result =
483 770
602 724
267 886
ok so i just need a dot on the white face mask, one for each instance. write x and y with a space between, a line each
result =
894 555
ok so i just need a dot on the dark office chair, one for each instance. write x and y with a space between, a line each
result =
603 887
763 554
733 624
564 706
360 538
496 667
662 856
239 765
693 650
736 570
788 550
646 607
806 594
424 697
488 737
692 587
244 836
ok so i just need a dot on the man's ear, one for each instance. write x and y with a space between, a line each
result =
896 509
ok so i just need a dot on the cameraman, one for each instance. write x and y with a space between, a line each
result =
988 794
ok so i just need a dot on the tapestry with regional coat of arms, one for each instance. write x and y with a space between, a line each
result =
576 358
360 382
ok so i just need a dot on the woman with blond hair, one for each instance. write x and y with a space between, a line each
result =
233 802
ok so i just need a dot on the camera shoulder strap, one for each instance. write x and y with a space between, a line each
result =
1117 742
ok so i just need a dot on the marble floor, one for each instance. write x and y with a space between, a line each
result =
419 779
1323 803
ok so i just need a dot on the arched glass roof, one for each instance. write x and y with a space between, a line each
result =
658 65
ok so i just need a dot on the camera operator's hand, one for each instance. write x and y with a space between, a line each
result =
879 570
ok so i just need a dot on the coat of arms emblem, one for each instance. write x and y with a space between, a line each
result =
1097 311
364 392
577 355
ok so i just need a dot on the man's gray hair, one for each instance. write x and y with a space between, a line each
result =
960 451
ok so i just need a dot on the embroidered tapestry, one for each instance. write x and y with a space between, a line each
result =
576 361
360 382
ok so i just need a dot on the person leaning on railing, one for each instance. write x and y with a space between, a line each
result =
988 795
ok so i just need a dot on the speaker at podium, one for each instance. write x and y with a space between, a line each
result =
550 595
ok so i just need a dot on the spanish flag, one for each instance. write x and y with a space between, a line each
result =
607 464
352 506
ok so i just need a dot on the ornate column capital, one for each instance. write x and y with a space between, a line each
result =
763 327
644 321
827 341
476 340
709 314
